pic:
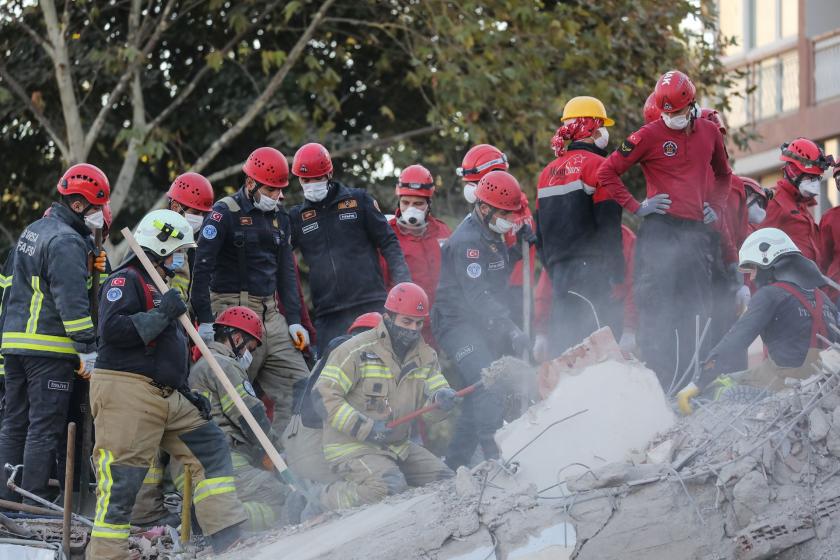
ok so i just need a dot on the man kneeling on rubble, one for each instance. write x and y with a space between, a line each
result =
373 378
789 310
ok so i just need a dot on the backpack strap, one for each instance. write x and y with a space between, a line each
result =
818 325
241 251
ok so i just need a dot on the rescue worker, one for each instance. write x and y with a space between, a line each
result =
471 319
745 211
650 111
580 245
244 257
672 281
796 194
420 234
191 195
238 332
48 332
369 380
141 401
788 310
340 233
830 241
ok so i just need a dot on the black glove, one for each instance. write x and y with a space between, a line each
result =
519 341
172 305
525 233
380 432
198 400
446 399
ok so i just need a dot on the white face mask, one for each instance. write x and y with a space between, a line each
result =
413 217
245 359
604 138
501 226
809 187
266 203
317 191
195 221
678 122
95 220
469 192
756 214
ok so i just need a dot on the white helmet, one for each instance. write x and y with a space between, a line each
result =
163 232
764 246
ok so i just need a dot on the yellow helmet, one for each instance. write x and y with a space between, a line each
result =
585 106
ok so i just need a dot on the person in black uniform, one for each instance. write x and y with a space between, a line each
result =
341 233
471 319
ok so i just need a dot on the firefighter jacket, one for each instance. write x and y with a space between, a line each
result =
225 413
47 312
164 360
674 162
473 287
790 212
830 247
243 249
5 284
363 381
340 238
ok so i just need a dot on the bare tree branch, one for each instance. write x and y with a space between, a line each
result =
18 90
39 39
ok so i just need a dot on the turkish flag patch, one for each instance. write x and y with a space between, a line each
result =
472 253
216 216
118 281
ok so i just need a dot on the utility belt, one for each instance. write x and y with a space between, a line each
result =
165 390
682 223
264 306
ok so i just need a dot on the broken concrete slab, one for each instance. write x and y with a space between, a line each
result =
751 497
818 425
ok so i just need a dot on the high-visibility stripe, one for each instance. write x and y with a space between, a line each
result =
335 374
239 460
154 475
213 487
376 371
559 190
260 516
435 382
5 281
342 416
400 448
334 451
110 531
34 341
104 484
35 305
2 367
77 325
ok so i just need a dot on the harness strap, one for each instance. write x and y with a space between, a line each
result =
241 250
818 325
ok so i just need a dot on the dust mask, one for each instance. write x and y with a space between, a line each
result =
266 203
756 214
809 187
245 359
469 192
604 139
501 226
95 220
317 191
195 221
678 122
412 217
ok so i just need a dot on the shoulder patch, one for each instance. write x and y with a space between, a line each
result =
216 216
627 146
308 214
473 253
245 221
114 294
120 281
345 204
473 270
249 388
209 232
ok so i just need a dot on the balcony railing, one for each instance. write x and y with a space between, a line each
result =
774 85
826 68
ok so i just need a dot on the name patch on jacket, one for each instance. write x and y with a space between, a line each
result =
346 204
245 221
55 385
498 265
310 227
308 214
347 215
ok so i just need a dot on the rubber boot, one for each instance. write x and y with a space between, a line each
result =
226 539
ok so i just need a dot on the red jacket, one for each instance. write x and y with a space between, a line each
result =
830 247
734 221
790 212
675 162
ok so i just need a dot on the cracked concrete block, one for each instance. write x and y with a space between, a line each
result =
465 484
614 474
736 470
832 441
478 546
818 425
751 497
662 453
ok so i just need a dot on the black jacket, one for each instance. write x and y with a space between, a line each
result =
473 285
269 265
165 359
341 238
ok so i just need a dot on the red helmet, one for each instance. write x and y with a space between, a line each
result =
714 116
500 190
407 298
193 191
651 111
108 218
480 160
312 160
673 91
87 180
244 319
268 166
416 180
805 156
366 321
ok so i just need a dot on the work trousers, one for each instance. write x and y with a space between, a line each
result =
672 286
149 508
277 364
482 412
133 418
304 451
724 313
572 317
262 494
370 478
38 393
771 376
330 325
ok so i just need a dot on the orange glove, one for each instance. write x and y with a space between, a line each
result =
299 335
266 463
100 261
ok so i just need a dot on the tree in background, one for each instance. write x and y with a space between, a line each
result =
147 89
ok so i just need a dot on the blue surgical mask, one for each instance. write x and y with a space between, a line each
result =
178 260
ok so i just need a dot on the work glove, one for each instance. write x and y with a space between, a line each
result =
709 214
198 400
380 432
519 341
627 344
86 362
300 336
172 305
657 204
525 233
541 348
684 398
742 298
206 332
99 263
446 399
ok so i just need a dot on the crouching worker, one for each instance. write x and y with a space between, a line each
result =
141 401
788 310
238 331
369 380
